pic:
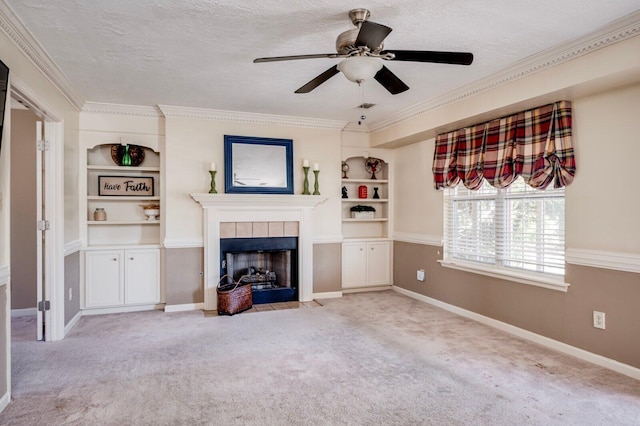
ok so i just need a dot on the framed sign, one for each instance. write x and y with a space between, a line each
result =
126 186
258 165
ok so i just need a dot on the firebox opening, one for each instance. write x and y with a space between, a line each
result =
268 264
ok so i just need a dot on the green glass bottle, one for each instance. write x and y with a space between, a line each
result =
126 157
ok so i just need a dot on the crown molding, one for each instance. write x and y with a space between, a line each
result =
353 127
620 30
22 38
247 117
121 109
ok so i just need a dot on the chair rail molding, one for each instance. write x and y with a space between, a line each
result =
415 238
627 262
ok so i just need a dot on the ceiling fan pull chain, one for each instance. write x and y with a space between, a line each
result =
362 117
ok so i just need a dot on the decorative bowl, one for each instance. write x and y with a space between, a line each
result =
152 214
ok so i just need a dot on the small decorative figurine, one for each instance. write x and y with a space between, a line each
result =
373 166
344 192
345 169
362 191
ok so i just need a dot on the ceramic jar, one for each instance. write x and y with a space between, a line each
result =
99 214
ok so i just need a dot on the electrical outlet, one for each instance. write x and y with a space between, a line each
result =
70 294
598 319
420 274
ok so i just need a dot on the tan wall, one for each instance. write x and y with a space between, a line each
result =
184 284
602 212
601 216
183 269
23 210
193 143
566 317
71 282
327 268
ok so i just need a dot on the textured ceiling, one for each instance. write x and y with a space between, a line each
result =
198 53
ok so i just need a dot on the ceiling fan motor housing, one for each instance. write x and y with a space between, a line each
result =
346 42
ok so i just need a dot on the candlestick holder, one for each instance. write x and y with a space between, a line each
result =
305 188
213 182
316 184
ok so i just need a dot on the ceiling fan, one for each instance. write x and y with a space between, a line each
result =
361 51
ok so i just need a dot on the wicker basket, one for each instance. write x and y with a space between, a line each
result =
234 297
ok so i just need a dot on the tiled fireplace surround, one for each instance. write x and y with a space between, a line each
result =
257 215
258 229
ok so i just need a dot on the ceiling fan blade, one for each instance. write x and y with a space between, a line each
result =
289 58
319 80
372 34
390 81
456 58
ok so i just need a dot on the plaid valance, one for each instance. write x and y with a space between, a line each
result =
535 144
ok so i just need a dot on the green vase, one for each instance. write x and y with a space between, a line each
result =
126 157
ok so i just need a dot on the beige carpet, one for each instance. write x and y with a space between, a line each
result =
366 359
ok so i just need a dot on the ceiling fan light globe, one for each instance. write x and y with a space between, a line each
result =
360 68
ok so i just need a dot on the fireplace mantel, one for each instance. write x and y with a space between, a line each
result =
219 208
253 200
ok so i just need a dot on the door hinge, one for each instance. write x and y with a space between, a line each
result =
44 306
43 225
43 145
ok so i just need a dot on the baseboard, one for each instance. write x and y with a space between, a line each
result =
365 289
4 401
328 295
184 307
121 309
72 323
26 312
582 354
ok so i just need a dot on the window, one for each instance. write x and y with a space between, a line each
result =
518 229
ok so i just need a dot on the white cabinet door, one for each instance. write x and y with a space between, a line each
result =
354 265
142 283
378 263
104 278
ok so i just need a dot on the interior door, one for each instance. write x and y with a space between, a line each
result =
42 285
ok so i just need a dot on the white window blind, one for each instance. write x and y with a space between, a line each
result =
518 228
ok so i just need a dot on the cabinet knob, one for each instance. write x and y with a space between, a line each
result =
115 259
361 249
131 258
372 249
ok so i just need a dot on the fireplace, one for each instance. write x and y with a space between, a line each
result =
269 265
246 208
